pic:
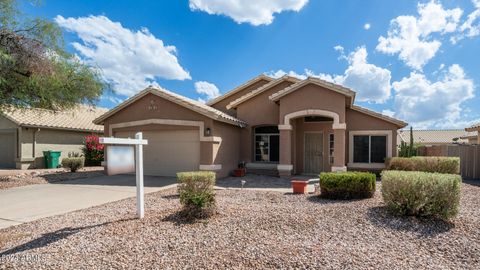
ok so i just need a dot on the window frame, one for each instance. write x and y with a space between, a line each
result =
255 134
370 133
331 148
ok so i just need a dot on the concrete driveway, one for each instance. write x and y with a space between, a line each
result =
28 203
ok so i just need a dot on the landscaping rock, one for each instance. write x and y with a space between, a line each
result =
253 229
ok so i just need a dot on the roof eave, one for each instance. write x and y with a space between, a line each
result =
62 128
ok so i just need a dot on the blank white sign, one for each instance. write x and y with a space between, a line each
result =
120 159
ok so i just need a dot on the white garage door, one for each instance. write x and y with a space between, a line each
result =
7 150
169 152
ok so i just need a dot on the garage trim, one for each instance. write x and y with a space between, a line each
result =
172 122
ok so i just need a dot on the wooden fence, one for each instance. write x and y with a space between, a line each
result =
469 157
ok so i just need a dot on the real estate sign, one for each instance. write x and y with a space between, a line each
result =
121 158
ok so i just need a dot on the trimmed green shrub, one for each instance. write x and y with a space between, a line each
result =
347 185
196 193
449 165
73 163
421 193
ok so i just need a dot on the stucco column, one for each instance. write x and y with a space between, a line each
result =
339 149
285 167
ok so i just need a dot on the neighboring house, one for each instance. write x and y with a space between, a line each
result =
435 137
288 125
26 133
474 138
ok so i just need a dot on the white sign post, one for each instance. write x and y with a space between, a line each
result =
123 164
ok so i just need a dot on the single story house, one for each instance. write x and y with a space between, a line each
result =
474 138
26 133
435 137
286 125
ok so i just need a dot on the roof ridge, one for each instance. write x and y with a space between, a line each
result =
199 104
260 89
238 88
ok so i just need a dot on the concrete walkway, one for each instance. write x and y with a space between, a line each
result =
28 203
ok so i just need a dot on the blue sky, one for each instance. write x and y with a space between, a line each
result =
417 61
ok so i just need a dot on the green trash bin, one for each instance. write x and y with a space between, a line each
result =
51 159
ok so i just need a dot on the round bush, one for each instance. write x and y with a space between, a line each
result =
421 193
347 185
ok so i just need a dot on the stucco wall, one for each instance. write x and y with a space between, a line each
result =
222 105
360 121
140 110
227 151
6 124
312 96
49 139
259 110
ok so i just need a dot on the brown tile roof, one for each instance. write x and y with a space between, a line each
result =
240 88
332 86
434 136
260 90
473 127
180 100
79 118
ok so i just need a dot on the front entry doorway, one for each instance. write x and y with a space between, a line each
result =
313 149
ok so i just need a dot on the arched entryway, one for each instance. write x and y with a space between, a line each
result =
307 146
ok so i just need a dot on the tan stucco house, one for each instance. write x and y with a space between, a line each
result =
26 133
286 125
474 137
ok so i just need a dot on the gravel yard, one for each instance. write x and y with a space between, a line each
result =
18 178
254 229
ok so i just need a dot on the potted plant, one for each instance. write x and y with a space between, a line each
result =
241 170
299 186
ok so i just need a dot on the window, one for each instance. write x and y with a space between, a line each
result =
267 144
331 143
369 148
309 119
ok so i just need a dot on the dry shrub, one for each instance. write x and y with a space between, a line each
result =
421 193
450 165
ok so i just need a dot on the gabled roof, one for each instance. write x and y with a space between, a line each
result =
430 136
240 88
178 99
79 118
473 127
392 120
261 89
334 87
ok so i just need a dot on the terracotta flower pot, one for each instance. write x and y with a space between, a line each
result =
239 172
299 186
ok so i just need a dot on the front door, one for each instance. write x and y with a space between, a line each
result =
313 159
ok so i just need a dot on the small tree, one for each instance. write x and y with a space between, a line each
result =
93 150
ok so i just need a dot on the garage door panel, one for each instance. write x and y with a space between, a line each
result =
169 152
7 150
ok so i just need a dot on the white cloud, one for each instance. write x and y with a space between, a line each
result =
130 60
388 112
424 104
256 12
372 83
471 27
411 37
366 26
208 89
